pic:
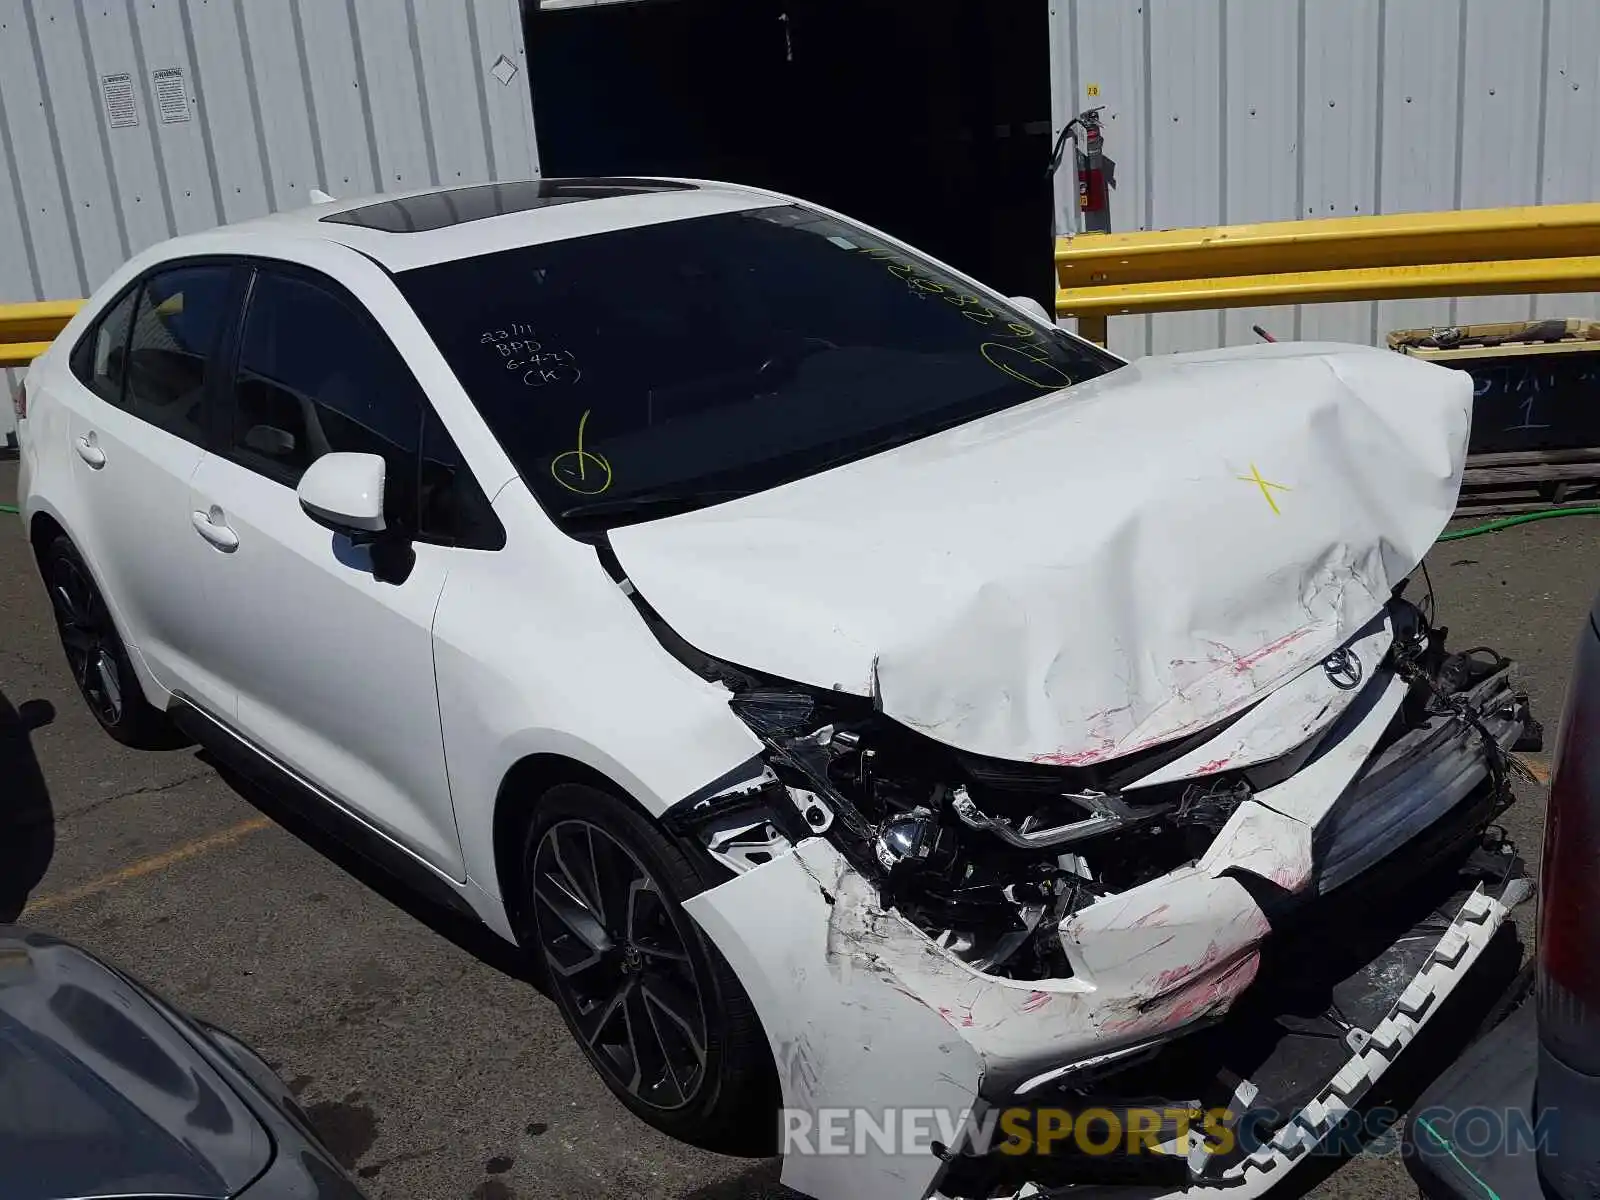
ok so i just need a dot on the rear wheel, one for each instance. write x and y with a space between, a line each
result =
95 653
651 1002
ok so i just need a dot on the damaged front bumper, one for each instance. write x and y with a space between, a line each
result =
1337 999
869 1008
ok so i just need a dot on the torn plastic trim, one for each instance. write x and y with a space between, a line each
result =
1454 955
1094 1066
750 810
1148 961
748 777
1452 959
740 820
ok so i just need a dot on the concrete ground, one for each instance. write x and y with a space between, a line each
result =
432 1067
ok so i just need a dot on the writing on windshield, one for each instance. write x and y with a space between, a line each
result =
1017 348
538 365
686 362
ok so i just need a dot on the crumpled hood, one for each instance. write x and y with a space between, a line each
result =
1093 572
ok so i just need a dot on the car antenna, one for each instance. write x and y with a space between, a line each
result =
318 196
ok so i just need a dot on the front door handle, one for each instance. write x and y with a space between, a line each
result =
213 526
88 448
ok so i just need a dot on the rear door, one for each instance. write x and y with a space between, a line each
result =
333 668
138 424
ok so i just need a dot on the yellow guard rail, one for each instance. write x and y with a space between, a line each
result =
1474 252
26 329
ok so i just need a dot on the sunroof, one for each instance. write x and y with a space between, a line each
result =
437 210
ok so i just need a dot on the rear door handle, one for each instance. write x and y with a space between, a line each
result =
213 526
88 448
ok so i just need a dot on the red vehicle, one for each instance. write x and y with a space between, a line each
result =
1519 1113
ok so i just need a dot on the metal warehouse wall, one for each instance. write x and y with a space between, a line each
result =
105 149
1221 111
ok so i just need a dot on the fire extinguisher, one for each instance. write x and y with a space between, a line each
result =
1096 172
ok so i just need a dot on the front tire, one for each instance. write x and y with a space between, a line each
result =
95 654
653 1005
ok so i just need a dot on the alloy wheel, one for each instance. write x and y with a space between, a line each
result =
88 637
618 959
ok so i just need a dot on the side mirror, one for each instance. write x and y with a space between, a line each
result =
344 492
1033 308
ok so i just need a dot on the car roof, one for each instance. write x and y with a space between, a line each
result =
405 230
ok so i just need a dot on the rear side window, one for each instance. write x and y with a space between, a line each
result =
175 326
100 361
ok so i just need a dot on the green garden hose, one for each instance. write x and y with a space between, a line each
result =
1588 510
8 508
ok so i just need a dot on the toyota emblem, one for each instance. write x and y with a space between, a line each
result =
1343 668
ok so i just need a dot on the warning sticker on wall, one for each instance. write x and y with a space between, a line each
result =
172 94
121 109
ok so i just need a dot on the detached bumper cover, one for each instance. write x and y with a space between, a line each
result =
865 1011
1451 960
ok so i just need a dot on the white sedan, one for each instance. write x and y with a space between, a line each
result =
854 693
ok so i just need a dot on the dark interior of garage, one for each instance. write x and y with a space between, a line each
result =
928 120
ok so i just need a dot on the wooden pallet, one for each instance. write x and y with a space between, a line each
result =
1522 481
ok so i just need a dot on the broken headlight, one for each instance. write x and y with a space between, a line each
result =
986 857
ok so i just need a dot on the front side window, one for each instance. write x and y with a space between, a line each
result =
175 326
451 508
316 375
655 369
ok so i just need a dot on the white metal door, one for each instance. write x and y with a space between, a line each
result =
134 442
333 669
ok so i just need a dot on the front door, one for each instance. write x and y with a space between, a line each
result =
333 669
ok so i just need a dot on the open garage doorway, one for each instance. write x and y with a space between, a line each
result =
929 119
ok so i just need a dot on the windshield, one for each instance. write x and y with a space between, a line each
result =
651 370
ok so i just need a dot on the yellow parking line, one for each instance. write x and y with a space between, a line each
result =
148 866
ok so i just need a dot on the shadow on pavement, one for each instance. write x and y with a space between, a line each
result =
465 932
757 1182
27 821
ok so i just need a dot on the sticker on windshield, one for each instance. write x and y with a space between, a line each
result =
582 471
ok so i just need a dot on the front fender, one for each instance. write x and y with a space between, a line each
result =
537 651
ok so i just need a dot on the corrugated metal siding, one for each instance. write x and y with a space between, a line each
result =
352 96
1223 111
